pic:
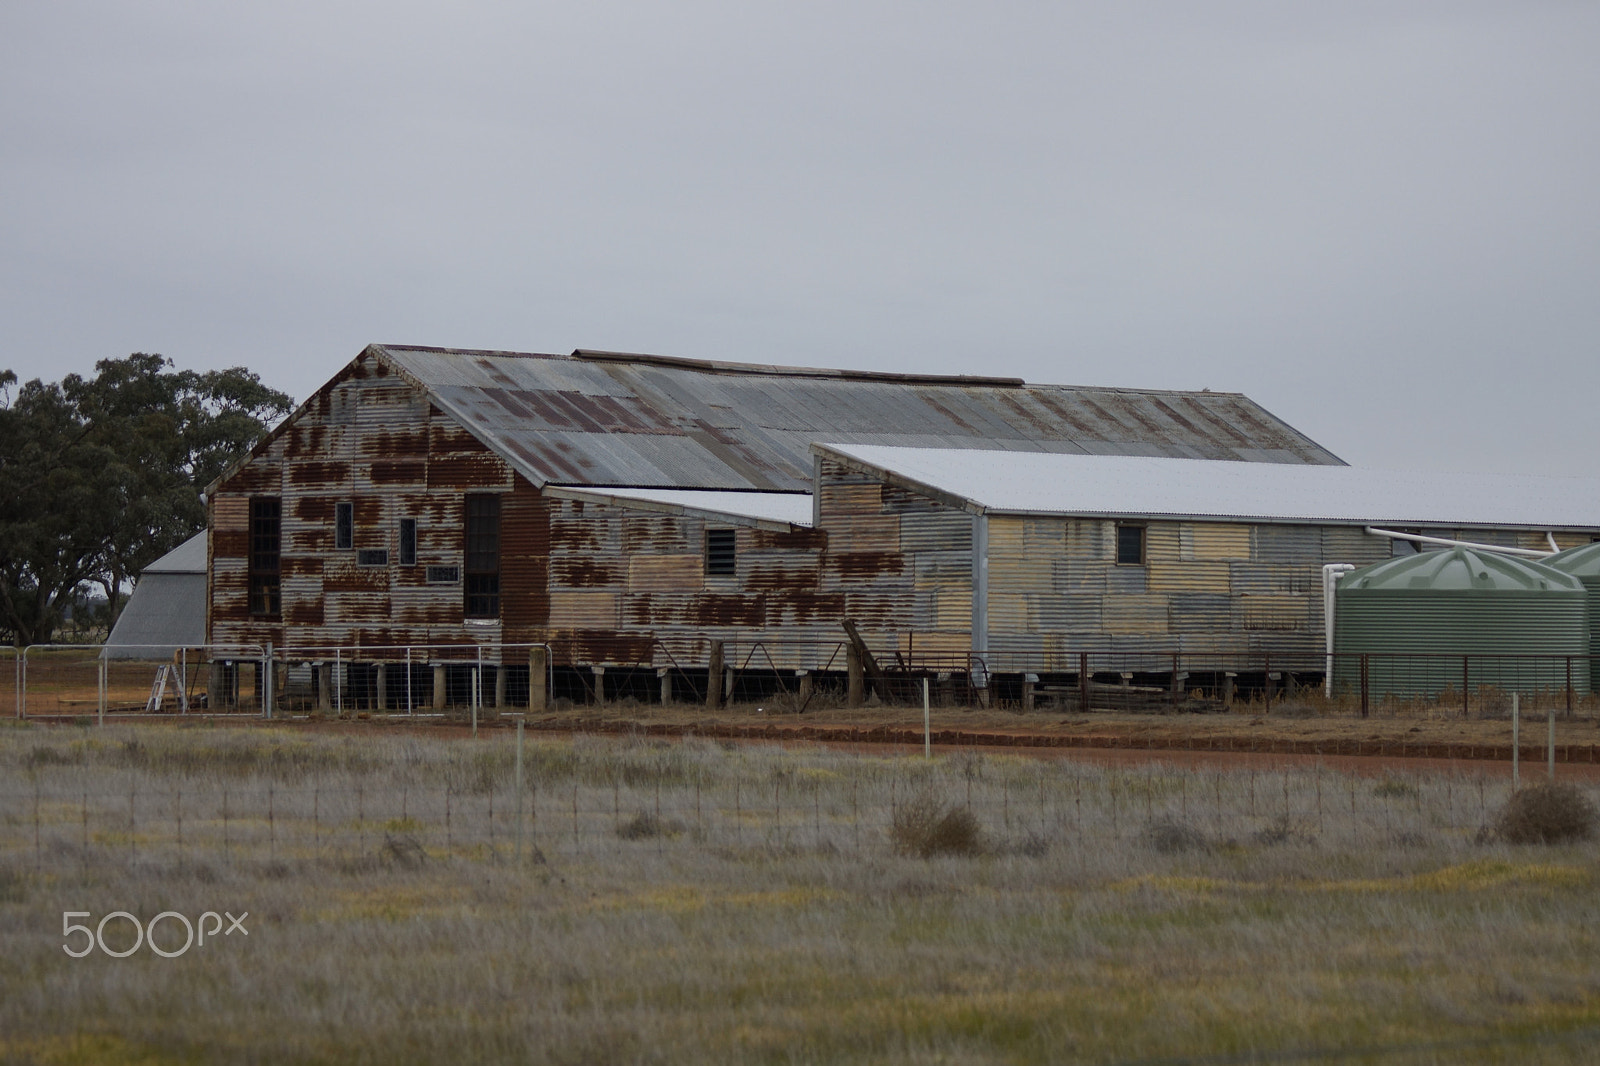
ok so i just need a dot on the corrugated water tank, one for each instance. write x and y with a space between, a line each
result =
1420 616
1583 563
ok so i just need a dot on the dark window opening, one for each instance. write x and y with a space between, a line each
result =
408 542
720 551
482 584
372 557
344 526
444 575
1130 545
266 540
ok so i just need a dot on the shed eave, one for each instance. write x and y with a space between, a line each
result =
600 496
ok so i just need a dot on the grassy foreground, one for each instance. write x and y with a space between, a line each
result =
701 902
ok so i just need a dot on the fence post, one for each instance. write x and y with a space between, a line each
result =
1466 711
1083 681
1177 682
519 791
440 686
1569 686
1551 741
1365 707
1516 741
1266 681
267 678
101 703
714 677
538 671
927 726
857 675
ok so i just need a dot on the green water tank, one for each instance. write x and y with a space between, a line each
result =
1583 563
1419 615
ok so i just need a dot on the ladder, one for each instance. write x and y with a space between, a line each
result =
158 690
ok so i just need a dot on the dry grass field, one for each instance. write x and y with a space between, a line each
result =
700 901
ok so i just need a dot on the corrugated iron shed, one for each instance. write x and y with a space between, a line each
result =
167 610
1184 488
610 419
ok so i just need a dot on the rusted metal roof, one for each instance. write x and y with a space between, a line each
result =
613 419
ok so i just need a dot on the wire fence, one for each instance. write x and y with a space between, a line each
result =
107 811
77 681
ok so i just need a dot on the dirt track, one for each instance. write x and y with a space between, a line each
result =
1361 745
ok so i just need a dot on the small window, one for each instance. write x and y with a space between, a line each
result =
265 563
1130 545
482 584
372 557
720 552
344 526
408 542
444 575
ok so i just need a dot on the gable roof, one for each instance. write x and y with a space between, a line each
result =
1138 486
612 419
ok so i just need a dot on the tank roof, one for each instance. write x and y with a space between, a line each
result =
1460 570
1582 561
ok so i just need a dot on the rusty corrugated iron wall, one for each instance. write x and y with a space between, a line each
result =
602 583
900 562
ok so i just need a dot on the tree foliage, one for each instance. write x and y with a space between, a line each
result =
101 476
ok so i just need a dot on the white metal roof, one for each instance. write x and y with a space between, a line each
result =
1039 483
791 508
187 558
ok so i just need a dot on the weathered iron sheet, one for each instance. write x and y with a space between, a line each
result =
598 419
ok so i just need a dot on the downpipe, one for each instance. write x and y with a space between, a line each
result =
1331 573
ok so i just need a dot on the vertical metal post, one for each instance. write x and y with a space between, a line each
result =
1466 711
104 684
1516 741
927 726
338 683
473 703
1569 686
411 707
519 790
266 682
1177 682
1267 678
477 681
183 681
1083 681
1550 712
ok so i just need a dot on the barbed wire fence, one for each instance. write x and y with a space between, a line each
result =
114 808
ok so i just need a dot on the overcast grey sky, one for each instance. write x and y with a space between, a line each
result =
1379 220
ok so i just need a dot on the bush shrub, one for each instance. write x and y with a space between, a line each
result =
926 827
1172 837
1546 814
646 826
